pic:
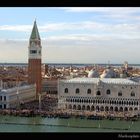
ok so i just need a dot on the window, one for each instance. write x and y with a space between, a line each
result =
89 91
4 98
119 93
77 90
0 106
33 51
132 94
98 93
39 52
4 106
108 92
33 43
0 98
66 90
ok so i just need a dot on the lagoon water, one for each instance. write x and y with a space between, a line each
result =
39 124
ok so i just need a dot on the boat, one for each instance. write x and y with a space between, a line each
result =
64 116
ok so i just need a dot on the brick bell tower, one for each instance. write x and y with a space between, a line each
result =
34 59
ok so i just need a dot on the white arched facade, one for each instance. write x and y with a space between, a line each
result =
95 94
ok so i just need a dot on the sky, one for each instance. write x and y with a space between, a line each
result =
72 35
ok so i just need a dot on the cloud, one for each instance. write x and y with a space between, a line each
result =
21 28
74 49
118 14
104 10
122 30
86 9
116 51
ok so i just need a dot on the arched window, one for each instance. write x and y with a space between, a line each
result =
66 90
74 107
97 108
132 94
98 93
119 93
92 108
70 106
78 107
88 107
106 108
116 108
101 108
135 103
77 90
135 109
89 91
83 107
130 109
108 92
125 109
111 108
121 109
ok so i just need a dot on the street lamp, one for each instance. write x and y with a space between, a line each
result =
17 84
39 97
1 84
18 104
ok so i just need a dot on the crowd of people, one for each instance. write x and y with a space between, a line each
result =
47 104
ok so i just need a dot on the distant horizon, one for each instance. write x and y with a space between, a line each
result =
72 34
74 63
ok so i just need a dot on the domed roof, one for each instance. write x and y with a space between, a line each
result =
122 75
105 75
93 74
108 73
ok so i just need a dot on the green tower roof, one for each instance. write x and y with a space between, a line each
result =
35 33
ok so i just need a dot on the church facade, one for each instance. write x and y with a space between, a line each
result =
99 94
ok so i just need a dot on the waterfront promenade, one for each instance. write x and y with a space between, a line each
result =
49 110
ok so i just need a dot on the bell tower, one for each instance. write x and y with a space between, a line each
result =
34 59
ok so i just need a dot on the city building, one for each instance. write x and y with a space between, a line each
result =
13 97
99 94
34 61
49 87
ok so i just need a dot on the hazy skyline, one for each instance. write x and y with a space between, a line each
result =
72 35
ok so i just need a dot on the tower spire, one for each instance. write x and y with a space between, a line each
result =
35 33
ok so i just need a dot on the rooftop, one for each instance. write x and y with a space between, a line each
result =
14 89
122 81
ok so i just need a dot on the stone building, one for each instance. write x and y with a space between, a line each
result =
49 87
13 97
99 94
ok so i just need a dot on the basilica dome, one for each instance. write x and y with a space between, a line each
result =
93 74
108 73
